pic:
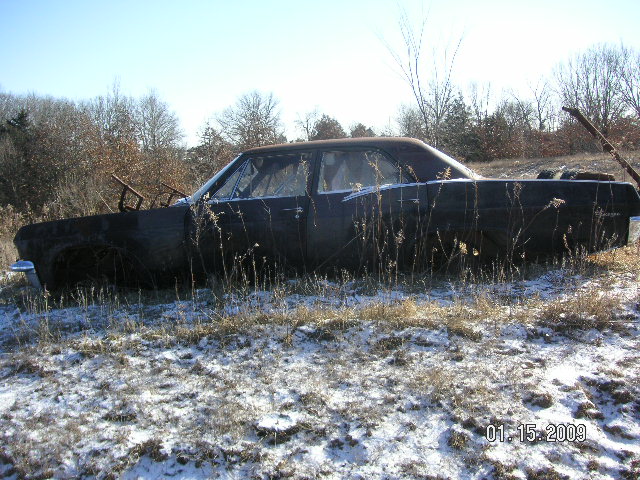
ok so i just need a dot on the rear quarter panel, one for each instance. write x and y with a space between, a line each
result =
537 216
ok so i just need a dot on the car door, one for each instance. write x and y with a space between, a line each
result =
357 204
257 216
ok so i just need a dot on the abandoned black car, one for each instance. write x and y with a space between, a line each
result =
373 203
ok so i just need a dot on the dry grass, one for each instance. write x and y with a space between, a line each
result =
388 312
8 252
467 317
395 366
327 321
621 260
530 167
586 310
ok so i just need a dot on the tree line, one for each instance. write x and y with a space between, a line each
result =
56 155
603 82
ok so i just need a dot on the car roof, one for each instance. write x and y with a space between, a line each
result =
381 142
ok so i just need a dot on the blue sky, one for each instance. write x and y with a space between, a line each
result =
331 55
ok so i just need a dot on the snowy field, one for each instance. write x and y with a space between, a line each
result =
534 378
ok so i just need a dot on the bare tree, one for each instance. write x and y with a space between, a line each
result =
306 122
519 112
590 81
57 154
113 114
434 92
210 155
8 106
543 105
410 123
480 99
629 77
254 120
157 127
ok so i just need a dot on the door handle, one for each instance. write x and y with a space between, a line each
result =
298 211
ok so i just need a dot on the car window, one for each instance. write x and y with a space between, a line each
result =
260 176
225 191
354 170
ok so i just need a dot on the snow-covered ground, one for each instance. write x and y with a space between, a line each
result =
344 383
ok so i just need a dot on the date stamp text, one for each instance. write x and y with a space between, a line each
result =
528 432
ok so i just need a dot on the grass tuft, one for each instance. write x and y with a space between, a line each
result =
586 310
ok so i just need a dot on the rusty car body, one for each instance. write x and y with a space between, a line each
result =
367 203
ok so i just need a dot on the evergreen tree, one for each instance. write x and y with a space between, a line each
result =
326 128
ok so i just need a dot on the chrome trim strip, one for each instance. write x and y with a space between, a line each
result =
375 188
519 180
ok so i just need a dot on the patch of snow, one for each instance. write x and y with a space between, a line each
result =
362 400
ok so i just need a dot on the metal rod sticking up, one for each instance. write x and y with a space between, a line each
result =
606 145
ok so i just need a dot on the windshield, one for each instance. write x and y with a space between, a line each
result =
207 186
